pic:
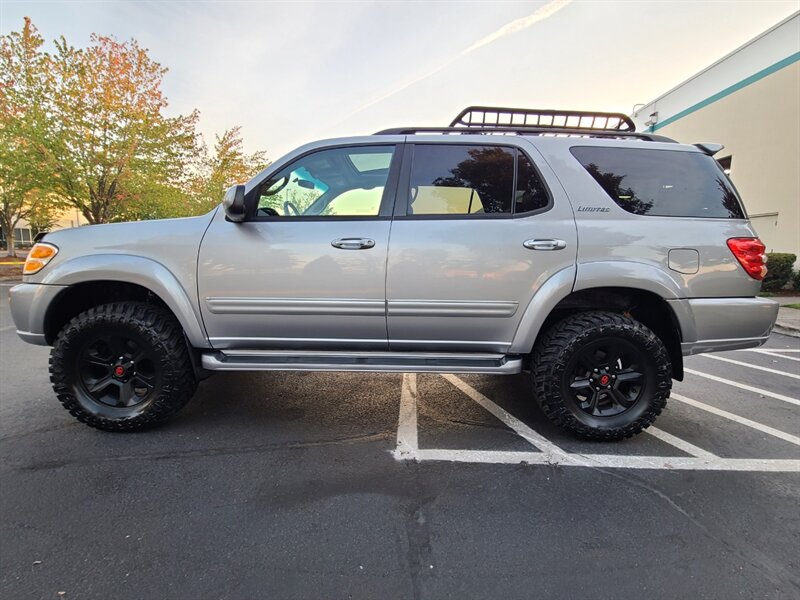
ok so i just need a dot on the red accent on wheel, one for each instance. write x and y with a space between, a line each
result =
604 380
119 371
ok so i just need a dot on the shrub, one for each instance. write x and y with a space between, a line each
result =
779 266
796 280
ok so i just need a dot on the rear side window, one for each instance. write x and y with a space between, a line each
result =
662 183
461 180
473 180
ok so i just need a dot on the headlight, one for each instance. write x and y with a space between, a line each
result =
41 254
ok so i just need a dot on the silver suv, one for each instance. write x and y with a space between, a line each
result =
563 244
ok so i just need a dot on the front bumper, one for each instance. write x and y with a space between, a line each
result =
717 324
29 303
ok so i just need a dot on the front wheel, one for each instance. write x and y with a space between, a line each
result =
122 366
601 375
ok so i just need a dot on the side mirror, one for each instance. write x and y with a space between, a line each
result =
233 204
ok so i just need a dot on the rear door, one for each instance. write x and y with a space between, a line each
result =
308 269
478 228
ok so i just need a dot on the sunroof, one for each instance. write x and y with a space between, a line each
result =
371 161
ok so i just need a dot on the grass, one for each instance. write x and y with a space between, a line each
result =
797 306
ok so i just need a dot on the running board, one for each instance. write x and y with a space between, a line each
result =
391 362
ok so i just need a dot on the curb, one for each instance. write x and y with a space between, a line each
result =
786 330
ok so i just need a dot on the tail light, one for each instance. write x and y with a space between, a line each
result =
750 253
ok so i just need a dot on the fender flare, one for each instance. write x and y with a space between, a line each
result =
138 270
599 274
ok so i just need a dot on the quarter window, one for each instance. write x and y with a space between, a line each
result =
338 182
530 193
663 183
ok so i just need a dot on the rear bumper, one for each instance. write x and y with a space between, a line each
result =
716 324
29 303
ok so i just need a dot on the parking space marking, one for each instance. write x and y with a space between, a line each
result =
407 442
551 454
743 386
788 437
537 440
680 444
752 366
775 354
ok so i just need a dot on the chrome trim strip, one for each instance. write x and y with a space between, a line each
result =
452 308
296 306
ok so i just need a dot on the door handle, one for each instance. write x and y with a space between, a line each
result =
545 244
353 243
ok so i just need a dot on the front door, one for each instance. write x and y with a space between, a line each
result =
308 268
477 232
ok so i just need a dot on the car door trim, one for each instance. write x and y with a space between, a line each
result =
296 306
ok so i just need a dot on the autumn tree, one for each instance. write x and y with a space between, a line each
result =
108 141
227 166
24 85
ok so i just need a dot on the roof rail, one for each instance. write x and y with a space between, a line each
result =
487 120
492 116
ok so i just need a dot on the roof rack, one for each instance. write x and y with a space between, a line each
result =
525 121
483 117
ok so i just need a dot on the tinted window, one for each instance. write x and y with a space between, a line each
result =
664 183
531 193
329 183
461 180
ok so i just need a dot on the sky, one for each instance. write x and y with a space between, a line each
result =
293 72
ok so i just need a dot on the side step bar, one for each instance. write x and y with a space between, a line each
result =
391 362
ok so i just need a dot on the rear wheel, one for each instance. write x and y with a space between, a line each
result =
601 375
122 366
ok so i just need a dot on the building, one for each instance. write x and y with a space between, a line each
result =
23 235
749 101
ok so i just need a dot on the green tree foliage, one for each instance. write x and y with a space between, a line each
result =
227 166
88 128
112 141
24 85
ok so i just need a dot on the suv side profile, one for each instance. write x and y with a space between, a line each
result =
559 243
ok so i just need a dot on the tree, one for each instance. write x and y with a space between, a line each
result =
229 165
108 138
24 81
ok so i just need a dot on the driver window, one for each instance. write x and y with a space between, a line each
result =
330 183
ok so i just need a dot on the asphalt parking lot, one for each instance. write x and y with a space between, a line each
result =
291 485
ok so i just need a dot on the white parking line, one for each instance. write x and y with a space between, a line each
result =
741 420
776 354
751 366
613 461
407 443
553 453
743 386
408 449
679 443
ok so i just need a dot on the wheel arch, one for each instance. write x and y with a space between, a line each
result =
94 280
556 300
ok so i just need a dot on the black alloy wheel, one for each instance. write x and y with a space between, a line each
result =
122 366
601 375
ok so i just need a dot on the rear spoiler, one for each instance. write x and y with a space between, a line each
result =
709 148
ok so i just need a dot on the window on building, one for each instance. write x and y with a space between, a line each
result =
22 235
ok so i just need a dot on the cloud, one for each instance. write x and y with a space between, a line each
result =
515 26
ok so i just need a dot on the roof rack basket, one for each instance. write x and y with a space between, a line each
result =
493 120
488 117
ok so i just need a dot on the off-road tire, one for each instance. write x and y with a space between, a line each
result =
557 347
158 330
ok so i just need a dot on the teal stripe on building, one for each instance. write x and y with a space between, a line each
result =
729 90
